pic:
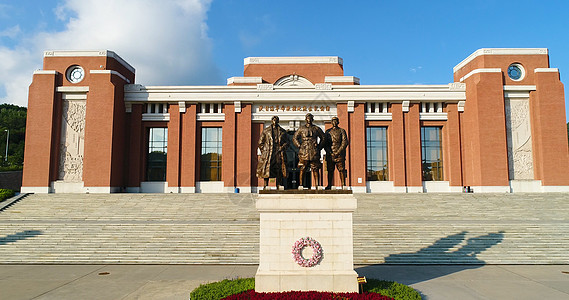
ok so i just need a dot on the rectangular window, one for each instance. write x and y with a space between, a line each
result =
157 152
210 167
432 153
376 138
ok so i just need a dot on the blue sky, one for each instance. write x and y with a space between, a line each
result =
187 42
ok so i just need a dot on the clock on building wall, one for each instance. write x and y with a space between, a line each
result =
75 74
516 72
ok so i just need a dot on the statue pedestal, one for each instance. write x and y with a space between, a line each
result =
287 217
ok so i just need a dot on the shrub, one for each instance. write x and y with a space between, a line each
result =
221 289
252 295
5 194
392 289
244 289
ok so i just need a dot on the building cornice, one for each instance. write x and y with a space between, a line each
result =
89 53
338 93
292 60
500 51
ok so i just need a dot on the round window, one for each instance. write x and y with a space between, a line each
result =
75 74
516 72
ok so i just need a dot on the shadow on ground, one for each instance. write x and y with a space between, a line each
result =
22 235
450 254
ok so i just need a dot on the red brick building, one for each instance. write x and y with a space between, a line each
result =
499 127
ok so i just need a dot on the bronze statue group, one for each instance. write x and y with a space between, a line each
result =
310 140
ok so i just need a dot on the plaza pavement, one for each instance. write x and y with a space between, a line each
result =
177 281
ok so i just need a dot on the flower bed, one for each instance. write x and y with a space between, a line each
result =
252 295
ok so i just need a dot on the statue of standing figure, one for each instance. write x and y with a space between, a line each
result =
336 142
273 143
309 139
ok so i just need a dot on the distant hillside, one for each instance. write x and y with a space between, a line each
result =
12 118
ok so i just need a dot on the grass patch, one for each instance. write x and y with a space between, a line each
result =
221 289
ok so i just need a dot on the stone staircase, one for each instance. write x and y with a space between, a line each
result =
224 229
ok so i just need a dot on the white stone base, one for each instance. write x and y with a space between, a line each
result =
555 189
67 187
210 187
490 189
414 189
153 186
286 218
306 281
35 189
188 189
525 186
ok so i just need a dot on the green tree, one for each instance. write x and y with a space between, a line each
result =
12 118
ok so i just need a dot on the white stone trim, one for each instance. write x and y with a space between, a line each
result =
500 51
546 70
188 189
525 186
237 105
210 187
210 117
341 79
520 88
72 89
172 190
269 93
153 186
293 60
380 187
414 189
437 187
112 72
265 87
555 189
489 70
67 187
45 72
433 116
35 189
359 189
88 53
457 86
491 189
351 106
460 106
182 106
323 86
73 96
244 80
378 116
156 117
245 189
102 189
405 106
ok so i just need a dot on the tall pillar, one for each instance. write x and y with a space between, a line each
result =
396 147
484 132
173 157
41 133
413 149
452 149
547 108
188 147
357 131
104 133
243 149
228 148
136 147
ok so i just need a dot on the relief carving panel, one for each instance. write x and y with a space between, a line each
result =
71 147
520 155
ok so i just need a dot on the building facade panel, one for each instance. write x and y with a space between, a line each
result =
495 129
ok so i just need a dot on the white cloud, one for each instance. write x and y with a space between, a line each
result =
166 42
